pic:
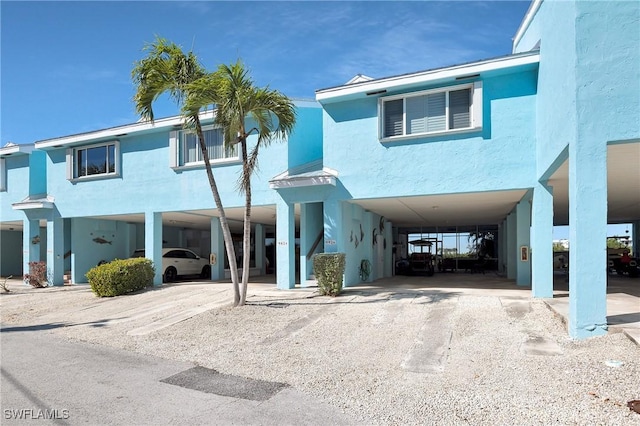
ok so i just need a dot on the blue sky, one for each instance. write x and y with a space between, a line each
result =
66 66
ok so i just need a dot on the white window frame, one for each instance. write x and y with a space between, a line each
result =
475 112
178 148
3 175
72 160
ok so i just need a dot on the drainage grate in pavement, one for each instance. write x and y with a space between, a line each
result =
210 381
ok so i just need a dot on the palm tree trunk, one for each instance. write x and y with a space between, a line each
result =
246 241
226 233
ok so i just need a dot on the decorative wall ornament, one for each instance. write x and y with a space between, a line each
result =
101 241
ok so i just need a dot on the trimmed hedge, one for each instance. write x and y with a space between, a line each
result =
121 276
329 270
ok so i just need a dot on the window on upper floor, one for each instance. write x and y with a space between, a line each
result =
185 148
94 161
431 112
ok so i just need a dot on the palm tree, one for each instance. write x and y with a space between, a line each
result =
168 70
241 110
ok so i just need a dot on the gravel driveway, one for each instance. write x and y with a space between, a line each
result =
401 355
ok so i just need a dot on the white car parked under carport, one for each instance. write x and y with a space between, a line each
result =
180 261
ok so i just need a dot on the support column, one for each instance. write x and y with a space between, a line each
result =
285 245
217 249
511 255
635 238
153 243
587 237
258 241
55 248
542 241
305 243
501 245
30 251
387 243
523 242
333 242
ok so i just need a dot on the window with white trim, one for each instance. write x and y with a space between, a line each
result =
94 161
186 150
454 109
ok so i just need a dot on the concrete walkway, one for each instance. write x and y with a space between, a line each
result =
623 304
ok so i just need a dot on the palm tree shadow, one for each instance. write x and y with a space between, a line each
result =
52 326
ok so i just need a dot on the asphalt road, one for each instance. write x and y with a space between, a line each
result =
48 380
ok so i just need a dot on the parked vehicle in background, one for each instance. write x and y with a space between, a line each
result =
180 262
620 262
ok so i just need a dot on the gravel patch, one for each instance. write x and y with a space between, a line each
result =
349 351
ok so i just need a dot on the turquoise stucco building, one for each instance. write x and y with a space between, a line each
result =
548 134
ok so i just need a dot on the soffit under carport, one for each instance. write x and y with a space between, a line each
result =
201 219
623 186
479 208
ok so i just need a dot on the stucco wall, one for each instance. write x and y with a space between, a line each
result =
17 175
497 158
147 183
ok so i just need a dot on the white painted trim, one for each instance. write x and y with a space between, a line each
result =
429 135
214 163
475 111
533 9
3 175
115 131
476 105
71 162
333 94
28 204
294 182
173 149
16 149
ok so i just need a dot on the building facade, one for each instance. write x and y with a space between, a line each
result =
510 146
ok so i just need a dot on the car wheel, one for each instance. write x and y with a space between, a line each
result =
170 274
206 272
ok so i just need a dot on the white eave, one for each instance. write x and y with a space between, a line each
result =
34 203
407 81
310 174
531 12
115 132
16 149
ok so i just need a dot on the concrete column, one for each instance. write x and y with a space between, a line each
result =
258 241
153 243
523 241
333 241
30 251
388 250
512 248
306 242
217 249
55 248
587 237
501 245
542 241
635 238
285 245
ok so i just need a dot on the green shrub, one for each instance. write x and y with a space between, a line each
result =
121 276
329 270
37 276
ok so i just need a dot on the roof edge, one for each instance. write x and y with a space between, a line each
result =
526 21
378 85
